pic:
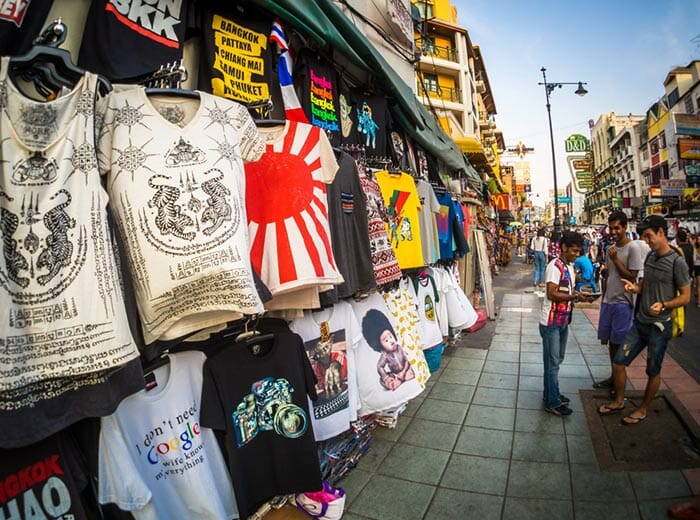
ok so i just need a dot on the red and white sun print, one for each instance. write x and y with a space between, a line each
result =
290 244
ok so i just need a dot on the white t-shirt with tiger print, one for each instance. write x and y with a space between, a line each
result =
176 183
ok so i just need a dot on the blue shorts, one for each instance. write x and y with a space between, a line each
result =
614 322
645 335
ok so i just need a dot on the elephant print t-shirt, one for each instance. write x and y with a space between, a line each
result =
176 183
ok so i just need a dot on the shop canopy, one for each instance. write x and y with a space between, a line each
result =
324 22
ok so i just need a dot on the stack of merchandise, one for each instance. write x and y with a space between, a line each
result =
342 453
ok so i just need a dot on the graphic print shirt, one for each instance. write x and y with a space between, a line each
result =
125 39
330 339
176 185
156 459
20 22
290 241
260 400
429 209
402 203
43 480
61 304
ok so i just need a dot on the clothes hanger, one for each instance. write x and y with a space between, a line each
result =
172 92
50 65
167 81
151 366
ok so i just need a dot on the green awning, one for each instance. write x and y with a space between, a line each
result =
323 21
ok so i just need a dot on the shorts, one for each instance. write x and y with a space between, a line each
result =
615 321
655 336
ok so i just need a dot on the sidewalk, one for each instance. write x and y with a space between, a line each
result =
477 444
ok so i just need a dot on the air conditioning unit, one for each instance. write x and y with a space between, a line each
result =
480 86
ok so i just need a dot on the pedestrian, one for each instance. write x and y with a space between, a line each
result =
540 246
557 306
665 286
696 269
625 260
686 247
585 274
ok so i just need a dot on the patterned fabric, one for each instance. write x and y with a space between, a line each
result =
403 308
176 183
386 267
560 312
290 243
61 304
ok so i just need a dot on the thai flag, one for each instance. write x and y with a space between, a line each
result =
292 107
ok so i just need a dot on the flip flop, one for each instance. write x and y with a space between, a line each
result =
606 409
631 421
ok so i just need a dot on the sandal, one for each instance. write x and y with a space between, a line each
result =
631 421
606 409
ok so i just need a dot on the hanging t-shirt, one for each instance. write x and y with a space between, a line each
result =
330 339
445 226
20 22
347 216
156 459
61 303
386 267
460 240
43 481
430 209
237 58
402 203
125 39
386 377
290 242
176 185
317 82
426 294
402 307
260 400
372 123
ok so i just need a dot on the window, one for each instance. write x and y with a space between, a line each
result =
428 45
430 83
654 146
662 141
689 105
673 97
425 7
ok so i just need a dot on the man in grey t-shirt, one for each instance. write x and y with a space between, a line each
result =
665 286
624 260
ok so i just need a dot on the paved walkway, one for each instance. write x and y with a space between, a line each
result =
477 444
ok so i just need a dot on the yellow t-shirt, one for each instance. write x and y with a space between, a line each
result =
402 203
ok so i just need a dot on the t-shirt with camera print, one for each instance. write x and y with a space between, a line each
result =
257 393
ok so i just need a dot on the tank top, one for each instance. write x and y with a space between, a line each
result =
61 304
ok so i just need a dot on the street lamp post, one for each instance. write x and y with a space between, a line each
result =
548 89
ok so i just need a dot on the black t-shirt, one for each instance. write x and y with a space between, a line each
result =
372 123
34 412
261 403
237 56
347 216
317 87
43 480
20 23
127 39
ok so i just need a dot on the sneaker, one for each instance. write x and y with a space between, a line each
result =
561 410
564 399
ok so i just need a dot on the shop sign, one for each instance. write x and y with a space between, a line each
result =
655 191
692 173
617 202
691 196
527 204
636 202
577 143
401 17
564 200
687 124
501 201
688 148
520 188
657 209
579 167
583 164
672 187
528 188
626 202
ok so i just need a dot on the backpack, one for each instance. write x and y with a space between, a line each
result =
677 314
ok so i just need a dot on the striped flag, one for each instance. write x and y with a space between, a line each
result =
292 107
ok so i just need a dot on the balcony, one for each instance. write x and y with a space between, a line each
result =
443 53
446 94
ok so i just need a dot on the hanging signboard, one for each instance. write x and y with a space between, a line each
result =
691 196
501 201
672 187
692 173
688 148
577 143
687 124
580 165
400 16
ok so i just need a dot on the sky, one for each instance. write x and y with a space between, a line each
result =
622 49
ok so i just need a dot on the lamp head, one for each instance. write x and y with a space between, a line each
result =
580 90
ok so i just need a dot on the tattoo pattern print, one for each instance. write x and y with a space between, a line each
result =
179 206
55 245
